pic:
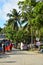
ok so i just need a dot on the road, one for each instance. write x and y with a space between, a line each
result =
17 57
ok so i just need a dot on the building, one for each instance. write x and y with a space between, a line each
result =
2 36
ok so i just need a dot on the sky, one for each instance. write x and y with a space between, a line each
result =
5 7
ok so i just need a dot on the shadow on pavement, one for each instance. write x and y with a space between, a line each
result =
4 56
7 61
18 52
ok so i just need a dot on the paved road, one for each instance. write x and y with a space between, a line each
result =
17 57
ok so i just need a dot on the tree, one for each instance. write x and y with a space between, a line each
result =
34 14
38 16
0 29
27 8
12 25
29 19
14 19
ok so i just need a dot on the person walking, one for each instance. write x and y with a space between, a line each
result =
38 44
4 48
22 45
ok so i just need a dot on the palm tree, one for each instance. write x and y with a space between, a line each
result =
14 19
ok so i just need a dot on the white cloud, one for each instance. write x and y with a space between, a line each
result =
3 1
20 0
7 6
